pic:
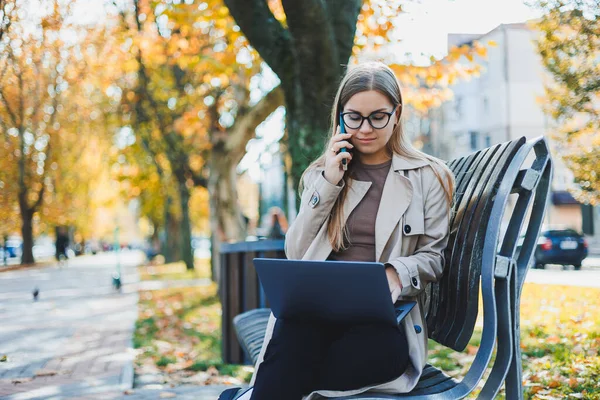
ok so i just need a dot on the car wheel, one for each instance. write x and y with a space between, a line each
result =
577 267
540 266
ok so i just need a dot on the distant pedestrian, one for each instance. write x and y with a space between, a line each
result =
62 243
278 226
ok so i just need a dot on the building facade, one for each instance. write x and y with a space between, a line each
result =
499 105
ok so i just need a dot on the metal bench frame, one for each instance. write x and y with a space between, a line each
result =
479 260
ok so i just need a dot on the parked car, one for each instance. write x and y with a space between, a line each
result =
559 246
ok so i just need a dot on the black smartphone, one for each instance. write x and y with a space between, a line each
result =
343 149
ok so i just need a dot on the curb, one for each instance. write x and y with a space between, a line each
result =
127 377
18 267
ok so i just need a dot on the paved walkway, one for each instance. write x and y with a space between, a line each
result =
75 341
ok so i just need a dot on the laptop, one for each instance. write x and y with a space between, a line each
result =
332 291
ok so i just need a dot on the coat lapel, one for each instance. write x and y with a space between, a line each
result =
396 196
357 191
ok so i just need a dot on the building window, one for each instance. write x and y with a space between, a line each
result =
458 107
488 141
474 140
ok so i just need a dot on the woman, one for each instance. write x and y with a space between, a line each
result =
391 205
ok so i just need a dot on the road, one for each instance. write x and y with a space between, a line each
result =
589 275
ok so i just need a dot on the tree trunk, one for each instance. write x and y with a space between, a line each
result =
226 220
169 243
309 56
307 123
187 254
172 241
27 233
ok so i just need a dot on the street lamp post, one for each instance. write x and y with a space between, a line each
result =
5 250
116 278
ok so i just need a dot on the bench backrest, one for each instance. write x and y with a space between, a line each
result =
453 302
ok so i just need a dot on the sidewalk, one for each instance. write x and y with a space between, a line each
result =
76 340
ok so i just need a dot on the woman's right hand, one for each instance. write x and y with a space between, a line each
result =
334 171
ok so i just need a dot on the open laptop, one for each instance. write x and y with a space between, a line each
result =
333 291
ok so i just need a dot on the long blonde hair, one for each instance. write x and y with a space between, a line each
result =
372 76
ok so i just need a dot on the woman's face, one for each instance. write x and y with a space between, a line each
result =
370 142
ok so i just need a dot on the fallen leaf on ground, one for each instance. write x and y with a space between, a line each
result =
45 372
21 380
167 395
553 339
554 384
128 392
573 382
3 358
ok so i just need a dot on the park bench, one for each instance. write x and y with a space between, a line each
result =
482 260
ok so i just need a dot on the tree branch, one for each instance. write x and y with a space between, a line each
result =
4 28
199 180
264 33
11 113
39 200
245 124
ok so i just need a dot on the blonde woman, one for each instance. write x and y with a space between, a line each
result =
390 204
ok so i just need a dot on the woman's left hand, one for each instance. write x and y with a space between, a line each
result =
394 282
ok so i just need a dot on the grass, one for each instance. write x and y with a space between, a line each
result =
175 271
178 333
560 344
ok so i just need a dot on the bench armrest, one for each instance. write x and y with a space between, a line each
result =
402 308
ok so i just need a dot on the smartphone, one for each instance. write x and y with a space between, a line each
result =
343 149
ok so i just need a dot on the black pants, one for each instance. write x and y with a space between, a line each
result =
302 357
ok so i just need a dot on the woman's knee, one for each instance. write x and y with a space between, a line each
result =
366 355
297 339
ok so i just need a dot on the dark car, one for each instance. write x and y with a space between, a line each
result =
560 246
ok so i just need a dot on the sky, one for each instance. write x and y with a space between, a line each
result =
424 26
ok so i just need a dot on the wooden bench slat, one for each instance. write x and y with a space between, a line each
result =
433 292
447 286
461 281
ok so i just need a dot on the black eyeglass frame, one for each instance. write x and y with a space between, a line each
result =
368 118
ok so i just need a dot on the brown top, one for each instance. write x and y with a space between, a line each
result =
361 222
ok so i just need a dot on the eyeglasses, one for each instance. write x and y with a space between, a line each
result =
377 120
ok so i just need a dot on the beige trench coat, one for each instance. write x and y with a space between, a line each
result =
411 232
